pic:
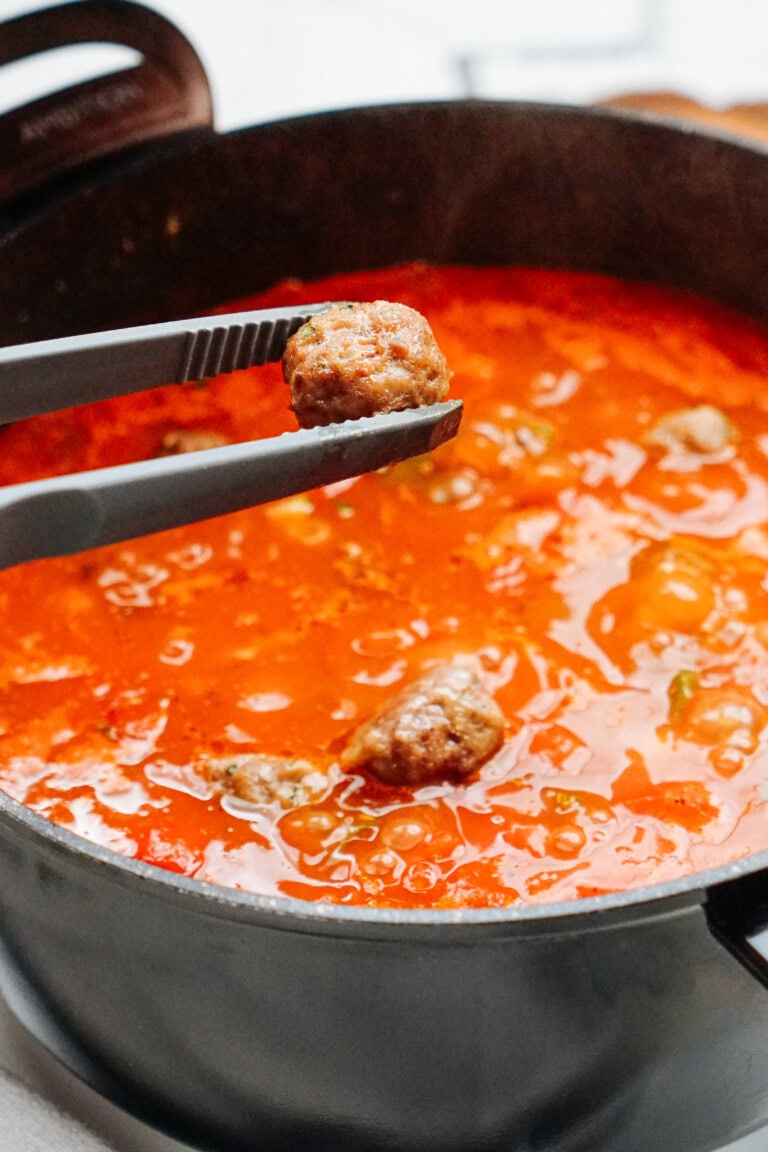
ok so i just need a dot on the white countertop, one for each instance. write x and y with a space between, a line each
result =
273 59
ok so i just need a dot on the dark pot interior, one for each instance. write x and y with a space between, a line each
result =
209 219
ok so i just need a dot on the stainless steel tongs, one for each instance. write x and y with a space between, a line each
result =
72 513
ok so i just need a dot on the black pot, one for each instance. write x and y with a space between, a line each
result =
616 1024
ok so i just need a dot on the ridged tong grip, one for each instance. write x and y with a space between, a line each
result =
209 352
55 374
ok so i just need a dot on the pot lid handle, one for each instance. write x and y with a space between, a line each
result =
166 93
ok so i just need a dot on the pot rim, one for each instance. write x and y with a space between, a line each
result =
289 913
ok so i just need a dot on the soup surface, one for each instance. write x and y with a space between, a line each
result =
593 544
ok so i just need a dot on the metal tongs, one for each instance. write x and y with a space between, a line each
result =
72 513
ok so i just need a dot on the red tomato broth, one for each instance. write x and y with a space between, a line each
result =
615 602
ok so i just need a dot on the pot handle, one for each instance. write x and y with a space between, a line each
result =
737 914
166 93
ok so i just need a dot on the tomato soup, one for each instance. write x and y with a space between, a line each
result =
594 543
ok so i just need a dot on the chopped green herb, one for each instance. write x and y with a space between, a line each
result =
345 511
682 689
308 331
231 769
108 731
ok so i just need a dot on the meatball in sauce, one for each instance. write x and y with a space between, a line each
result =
442 726
266 780
357 360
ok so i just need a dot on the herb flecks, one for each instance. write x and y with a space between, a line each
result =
682 690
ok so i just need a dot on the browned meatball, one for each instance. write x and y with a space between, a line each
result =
182 440
260 779
442 725
356 360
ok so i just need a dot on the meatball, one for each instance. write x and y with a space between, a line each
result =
182 440
261 780
356 360
441 726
